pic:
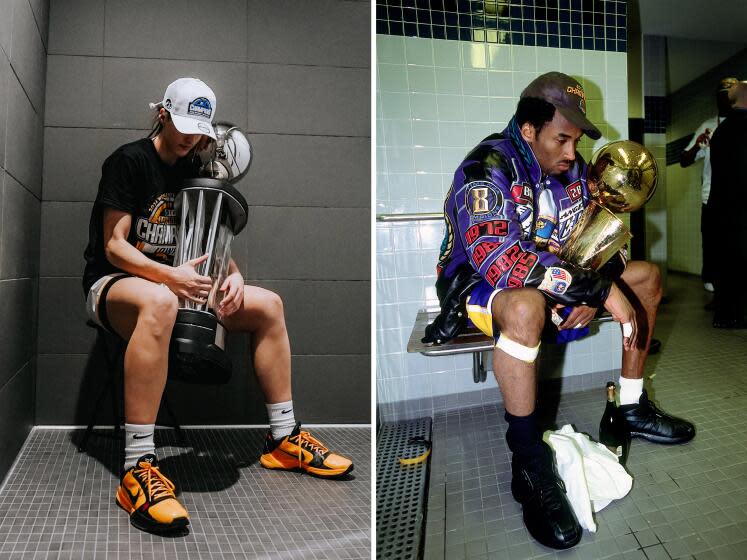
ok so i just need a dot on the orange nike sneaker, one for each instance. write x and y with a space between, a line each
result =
148 496
301 450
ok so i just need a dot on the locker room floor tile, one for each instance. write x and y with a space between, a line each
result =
687 501
59 504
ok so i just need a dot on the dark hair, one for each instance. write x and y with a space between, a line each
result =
535 111
156 125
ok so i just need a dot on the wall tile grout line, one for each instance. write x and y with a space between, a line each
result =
259 63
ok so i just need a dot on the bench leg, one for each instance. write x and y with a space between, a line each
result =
116 412
479 373
170 413
94 416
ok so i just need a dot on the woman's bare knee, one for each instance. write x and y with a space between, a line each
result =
272 312
262 309
158 310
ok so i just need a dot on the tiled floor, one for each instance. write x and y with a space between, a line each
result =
59 503
687 501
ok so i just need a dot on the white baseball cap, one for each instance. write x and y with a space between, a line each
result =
191 103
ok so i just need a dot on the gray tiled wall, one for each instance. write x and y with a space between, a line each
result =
23 28
297 79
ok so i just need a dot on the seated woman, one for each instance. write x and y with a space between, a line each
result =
133 290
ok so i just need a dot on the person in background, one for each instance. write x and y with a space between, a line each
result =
512 204
728 148
697 149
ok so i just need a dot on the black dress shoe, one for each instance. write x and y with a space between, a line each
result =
654 346
646 421
548 515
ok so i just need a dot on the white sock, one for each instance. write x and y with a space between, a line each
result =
630 390
282 420
138 442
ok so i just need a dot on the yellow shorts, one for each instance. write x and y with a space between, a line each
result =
479 307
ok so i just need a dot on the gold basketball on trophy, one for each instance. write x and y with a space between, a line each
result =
622 178
622 175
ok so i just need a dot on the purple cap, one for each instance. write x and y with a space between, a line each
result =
566 95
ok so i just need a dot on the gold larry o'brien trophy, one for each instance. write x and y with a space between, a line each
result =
621 178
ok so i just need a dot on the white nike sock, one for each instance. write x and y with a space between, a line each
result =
138 442
282 420
630 390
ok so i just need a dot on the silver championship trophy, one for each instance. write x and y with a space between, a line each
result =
211 213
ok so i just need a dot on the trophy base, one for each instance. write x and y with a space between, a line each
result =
196 350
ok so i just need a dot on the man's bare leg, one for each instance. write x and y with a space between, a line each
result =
520 315
641 284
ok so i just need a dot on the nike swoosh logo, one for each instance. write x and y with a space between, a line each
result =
308 457
286 411
135 436
133 497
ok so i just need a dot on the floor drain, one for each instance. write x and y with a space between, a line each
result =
401 490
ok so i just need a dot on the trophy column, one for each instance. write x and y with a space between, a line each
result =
211 213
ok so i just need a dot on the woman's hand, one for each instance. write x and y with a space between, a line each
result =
233 288
187 283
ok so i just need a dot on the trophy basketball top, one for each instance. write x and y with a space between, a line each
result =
622 175
227 158
621 178
225 161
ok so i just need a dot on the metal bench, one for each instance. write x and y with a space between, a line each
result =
471 341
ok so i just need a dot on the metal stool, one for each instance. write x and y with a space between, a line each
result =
114 348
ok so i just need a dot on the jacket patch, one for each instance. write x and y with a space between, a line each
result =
556 280
482 198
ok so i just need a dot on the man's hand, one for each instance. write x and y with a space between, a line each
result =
580 316
688 156
703 140
622 312
187 283
233 288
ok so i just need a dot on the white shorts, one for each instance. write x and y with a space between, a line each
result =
96 300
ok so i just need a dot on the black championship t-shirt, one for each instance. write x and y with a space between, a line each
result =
134 179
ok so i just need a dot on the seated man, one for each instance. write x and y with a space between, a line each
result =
513 203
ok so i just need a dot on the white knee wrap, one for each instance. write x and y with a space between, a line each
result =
519 351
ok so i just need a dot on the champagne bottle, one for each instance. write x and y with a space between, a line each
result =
612 430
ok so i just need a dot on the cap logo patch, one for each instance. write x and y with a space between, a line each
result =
167 104
203 127
200 107
577 90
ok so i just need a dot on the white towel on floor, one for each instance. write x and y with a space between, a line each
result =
592 475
